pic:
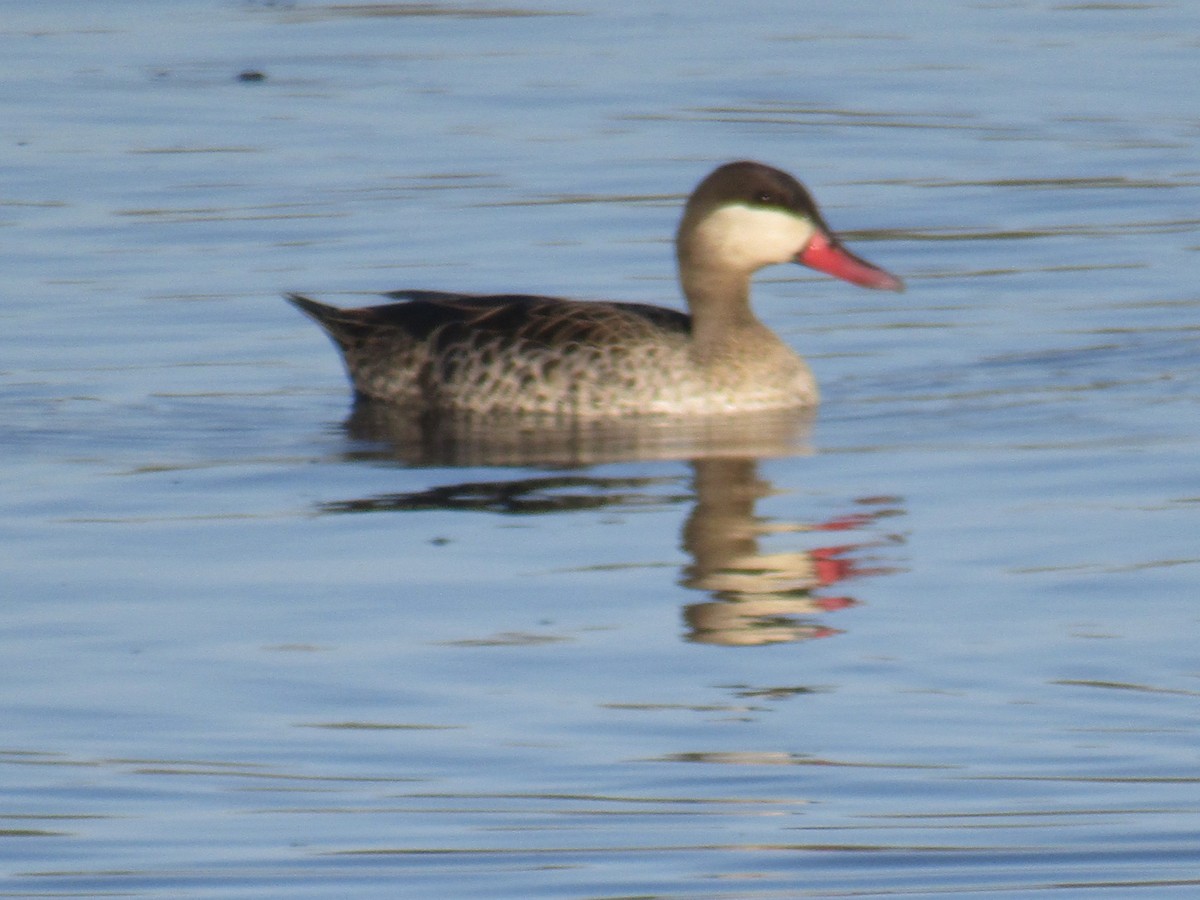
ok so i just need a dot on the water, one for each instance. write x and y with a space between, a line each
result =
940 641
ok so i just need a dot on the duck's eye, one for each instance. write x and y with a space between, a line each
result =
765 198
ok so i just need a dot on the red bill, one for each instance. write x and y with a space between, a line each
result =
826 254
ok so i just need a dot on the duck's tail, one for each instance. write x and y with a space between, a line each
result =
321 312
343 325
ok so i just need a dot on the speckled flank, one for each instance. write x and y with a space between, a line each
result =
564 357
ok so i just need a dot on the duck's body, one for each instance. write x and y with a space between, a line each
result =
545 355
514 353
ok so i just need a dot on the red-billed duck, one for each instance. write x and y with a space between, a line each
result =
448 352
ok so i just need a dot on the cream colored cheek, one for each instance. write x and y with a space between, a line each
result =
749 238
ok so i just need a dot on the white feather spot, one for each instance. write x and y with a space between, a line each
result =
747 238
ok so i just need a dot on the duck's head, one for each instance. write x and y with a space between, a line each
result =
746 215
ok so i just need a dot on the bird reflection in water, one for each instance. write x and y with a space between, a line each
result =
754 597
757 596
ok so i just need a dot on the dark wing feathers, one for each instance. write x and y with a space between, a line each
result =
541 320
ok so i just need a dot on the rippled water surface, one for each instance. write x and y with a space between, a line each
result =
939 641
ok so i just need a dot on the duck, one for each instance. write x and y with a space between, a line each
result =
442 352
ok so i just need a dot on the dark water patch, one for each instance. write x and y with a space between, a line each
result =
410 10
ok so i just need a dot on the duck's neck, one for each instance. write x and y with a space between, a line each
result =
719 301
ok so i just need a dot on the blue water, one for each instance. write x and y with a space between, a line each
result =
940 641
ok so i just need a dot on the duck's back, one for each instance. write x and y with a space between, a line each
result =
512 353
